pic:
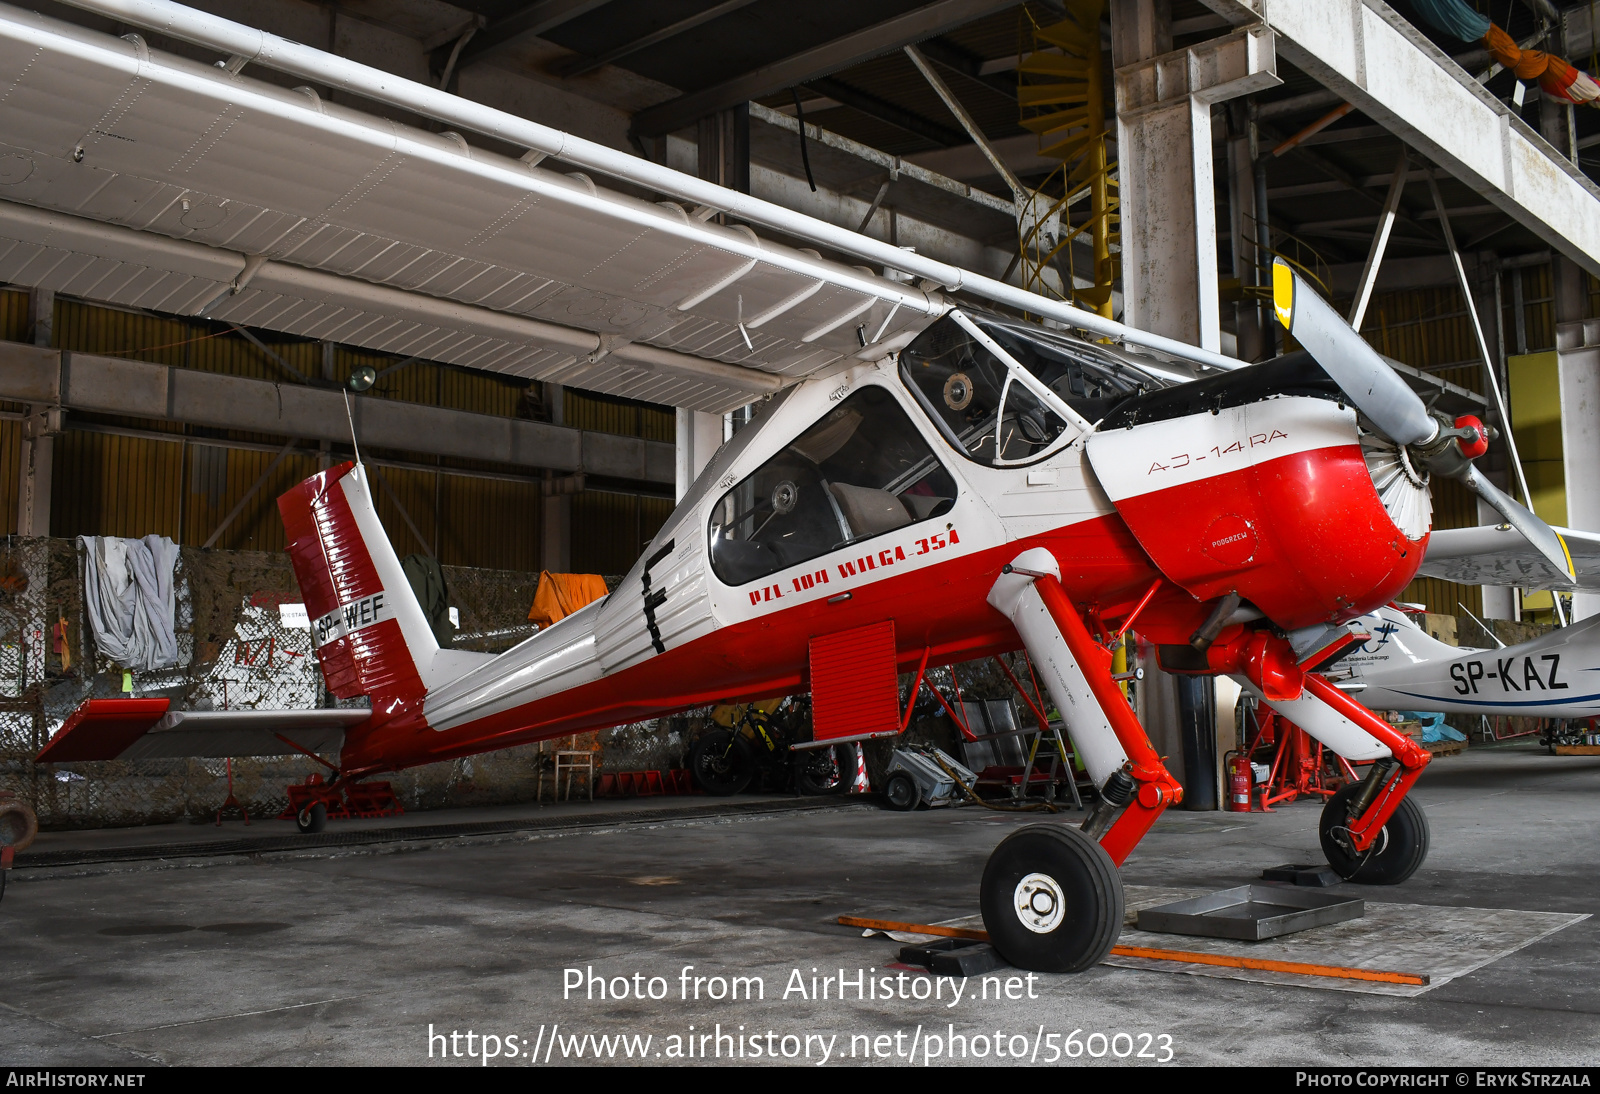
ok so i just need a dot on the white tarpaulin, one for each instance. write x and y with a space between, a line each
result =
127 587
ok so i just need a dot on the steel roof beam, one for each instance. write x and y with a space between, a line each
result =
1375 219
811 64
1315 189
946 54
529 22
884 111
1324 166
894 164
955 107
579 64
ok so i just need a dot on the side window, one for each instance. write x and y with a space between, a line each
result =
859 472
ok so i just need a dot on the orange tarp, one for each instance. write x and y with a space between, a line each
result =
559 595
1555 76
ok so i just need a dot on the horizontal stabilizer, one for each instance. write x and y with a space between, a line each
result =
1501 555
146 729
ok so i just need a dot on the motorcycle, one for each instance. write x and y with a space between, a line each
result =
753 740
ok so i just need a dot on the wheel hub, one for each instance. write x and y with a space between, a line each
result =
1039 903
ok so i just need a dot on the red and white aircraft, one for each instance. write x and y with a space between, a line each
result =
935 483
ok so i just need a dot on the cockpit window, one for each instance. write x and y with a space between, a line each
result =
861 471
981 407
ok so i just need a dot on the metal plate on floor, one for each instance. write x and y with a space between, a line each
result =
1251 912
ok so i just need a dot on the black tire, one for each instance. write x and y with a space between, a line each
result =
901 793
822 770
313 818
1399 850
1074 901
721 763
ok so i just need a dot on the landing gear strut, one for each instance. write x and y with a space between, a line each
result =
1051 897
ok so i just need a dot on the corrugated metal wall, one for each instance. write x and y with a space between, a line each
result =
10 471
110 485
607 414
610 531
121 476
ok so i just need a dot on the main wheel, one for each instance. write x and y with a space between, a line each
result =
902 792
721 763
1393 857
820 770
1051 899
313 818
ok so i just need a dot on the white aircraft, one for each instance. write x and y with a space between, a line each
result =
1402 667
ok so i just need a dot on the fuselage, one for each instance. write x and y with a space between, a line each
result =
794 531
1556 675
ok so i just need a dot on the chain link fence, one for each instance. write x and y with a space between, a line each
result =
238 652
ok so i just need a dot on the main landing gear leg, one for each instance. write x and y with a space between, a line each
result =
1371 831
1051 897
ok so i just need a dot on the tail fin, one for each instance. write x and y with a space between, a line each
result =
371 635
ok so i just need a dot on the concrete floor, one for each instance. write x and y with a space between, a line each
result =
349 954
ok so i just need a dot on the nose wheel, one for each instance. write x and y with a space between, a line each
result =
1395 855
1051 899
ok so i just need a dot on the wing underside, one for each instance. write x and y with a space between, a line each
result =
1500 555
180 188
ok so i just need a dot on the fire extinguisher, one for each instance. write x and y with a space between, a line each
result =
1239 777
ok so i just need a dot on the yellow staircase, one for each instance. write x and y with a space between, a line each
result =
1059 90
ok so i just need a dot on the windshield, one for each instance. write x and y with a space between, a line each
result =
986 412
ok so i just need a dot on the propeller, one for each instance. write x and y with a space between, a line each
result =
1433 443
1374 387
1545 538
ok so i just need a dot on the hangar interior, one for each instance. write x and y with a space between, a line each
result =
203 305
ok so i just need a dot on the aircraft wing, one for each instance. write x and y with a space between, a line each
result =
1500 555
146 729
139 178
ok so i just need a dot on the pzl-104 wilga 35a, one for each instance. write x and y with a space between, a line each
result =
949 484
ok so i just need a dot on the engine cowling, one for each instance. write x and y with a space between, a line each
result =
1272 499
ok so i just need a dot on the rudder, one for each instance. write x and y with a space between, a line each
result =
369 631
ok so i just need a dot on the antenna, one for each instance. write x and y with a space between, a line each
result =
360 380
1495 638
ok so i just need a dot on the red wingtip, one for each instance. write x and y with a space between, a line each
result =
102 729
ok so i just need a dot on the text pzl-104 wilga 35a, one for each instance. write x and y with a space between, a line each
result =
933 482
991 486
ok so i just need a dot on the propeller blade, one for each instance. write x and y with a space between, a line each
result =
1544 538
1375 388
